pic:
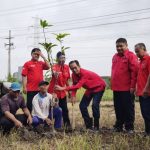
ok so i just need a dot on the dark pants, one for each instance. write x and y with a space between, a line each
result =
65 114
145 110
57 115
95 108
30 96
7 124
124 109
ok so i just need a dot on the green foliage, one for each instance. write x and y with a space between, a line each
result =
61 36
47 76
108 81
48 46
44 24
108 94
63 49
10 78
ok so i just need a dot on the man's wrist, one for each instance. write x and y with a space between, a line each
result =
45 119
29 116
15 120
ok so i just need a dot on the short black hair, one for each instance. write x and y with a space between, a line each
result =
34 50
60 54
121 40
74 61
141 45
43 83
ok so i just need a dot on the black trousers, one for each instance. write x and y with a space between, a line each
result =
65 113
145 110
7 124
124 109
95 108
30 96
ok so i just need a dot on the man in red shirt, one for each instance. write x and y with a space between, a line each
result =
60 77
94 86
143 84
123 81
32 75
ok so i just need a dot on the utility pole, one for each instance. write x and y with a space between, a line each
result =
36 31
9 44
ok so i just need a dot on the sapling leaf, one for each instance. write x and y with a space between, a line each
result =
44 24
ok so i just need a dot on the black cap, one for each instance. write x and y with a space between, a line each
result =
35 49
43 83
60 54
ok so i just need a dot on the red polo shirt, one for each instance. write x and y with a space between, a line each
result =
34 72
124 71
62 79
143 73
87 79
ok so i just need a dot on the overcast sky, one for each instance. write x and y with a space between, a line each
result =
94 26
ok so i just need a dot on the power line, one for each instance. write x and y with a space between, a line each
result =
46 3
37 9
91 26
28 6
111 37
102 16
95 17
103 24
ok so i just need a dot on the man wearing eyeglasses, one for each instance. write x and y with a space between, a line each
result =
95 87
9 105
32 75
60 77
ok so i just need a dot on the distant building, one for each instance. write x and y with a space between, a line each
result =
17 75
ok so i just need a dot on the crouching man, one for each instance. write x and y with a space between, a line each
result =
41 105
9 105
95 87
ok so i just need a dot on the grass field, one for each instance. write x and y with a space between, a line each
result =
103 140
108 95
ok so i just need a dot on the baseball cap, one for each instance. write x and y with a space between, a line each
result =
15 86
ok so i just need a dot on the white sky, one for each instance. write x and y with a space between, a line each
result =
92 46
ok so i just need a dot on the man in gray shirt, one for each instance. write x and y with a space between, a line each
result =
9 105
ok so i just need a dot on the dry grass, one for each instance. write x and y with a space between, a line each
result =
105 140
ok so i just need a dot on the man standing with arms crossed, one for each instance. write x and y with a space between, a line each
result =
32 75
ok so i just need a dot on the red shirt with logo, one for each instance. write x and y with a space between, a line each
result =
62 79
143 73
34 72
124 71
87 79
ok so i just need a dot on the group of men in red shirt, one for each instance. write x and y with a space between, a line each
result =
129 76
